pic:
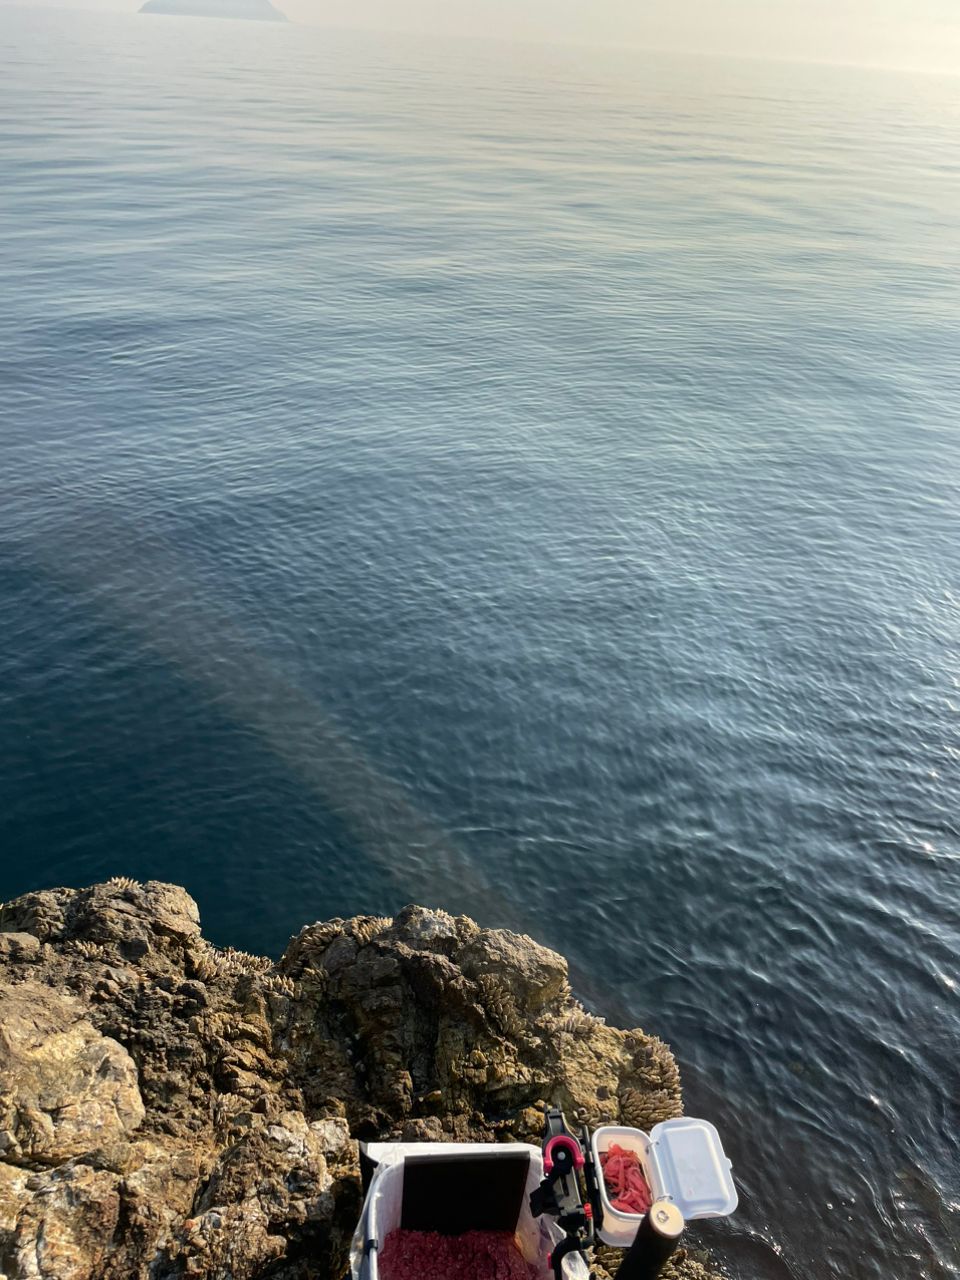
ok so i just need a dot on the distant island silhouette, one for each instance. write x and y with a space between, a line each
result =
257 10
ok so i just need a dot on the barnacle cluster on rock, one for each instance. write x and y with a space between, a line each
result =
123 882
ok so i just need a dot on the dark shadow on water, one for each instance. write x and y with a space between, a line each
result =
743 1255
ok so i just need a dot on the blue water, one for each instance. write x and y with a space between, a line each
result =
524 481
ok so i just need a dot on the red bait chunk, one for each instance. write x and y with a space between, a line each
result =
479 1255
626 1186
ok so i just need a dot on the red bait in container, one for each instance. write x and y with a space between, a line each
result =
625 1183
427 1255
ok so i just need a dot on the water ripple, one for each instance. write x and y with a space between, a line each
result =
526 482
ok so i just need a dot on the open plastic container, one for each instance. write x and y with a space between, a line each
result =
453 1188
682 1160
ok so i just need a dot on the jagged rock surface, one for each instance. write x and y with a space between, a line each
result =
168 1109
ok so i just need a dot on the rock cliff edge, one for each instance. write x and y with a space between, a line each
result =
168 1109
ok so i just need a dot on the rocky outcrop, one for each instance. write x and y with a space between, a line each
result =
168 1109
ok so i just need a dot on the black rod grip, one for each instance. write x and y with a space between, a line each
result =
657 1237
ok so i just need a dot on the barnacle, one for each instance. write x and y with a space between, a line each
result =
366 928
500 1004
230 960
280 984
90 950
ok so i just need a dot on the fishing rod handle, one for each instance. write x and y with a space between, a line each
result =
657 1238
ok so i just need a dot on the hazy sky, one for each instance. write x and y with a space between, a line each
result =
911 33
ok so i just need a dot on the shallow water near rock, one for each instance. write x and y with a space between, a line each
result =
523 481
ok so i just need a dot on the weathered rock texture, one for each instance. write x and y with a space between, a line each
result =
168 1109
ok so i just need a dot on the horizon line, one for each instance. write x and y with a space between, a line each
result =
728 55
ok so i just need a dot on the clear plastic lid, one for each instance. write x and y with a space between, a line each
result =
693 1170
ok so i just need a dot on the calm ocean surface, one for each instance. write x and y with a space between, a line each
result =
527 482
